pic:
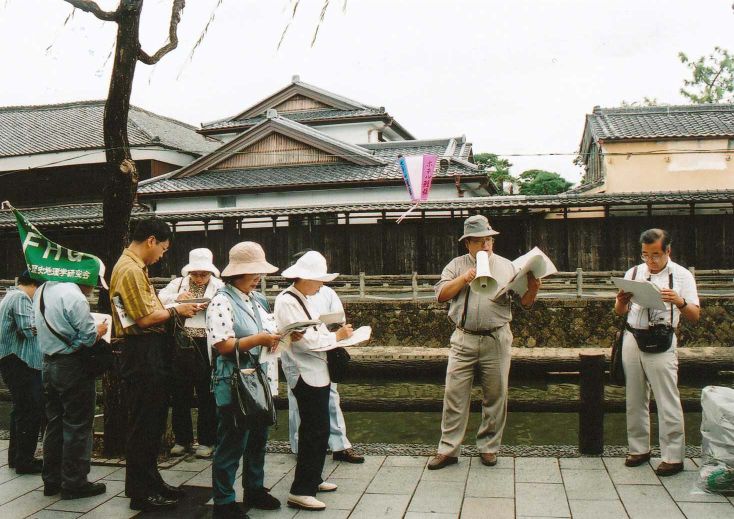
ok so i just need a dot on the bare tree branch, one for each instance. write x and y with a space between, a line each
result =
91 6
178 6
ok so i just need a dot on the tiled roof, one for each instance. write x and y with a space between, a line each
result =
341 173
28 130
91 214
657 122
305 116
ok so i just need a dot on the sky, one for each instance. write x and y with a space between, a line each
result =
516 77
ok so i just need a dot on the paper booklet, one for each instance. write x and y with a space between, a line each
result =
360 335
644 293
125 320
104 318
332 318
534 261
298 327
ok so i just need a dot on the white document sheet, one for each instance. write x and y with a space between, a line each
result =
125 320
359 336
534 261
104 318
644 293
332 318
198 321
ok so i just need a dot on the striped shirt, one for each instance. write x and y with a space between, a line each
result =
17 330
130 283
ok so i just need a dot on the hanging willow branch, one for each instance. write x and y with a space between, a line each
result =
176 10
200 38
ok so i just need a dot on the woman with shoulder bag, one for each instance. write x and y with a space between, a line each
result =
191 367
235 330
306 369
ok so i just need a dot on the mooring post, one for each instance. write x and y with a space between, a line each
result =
414 286
361 284
591 404
579 282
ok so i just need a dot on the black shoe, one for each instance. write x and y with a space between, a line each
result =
171 492
229 511
88 490
260 499
154 502
34 467
348 455
51 490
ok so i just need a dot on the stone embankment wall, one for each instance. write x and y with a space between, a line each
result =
556 323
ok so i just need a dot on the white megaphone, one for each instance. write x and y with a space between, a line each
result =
483 282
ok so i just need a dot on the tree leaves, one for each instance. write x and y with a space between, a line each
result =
712 77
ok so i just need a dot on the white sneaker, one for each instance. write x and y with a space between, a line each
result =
325 486
305 502
178 450
204 451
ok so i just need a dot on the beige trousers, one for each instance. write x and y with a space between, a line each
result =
492 356
659 372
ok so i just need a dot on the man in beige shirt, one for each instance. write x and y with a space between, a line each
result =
482 337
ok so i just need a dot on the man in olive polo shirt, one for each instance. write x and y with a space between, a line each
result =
482 340
145 362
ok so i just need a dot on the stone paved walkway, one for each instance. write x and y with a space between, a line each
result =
401 487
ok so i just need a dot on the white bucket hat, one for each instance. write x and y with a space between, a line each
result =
247 257
200 260
311 265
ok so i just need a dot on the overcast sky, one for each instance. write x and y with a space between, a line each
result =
515 76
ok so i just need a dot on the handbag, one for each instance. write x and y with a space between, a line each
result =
616 369
657 338
337 359
251 397
96 359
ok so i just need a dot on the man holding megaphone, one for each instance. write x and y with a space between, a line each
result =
482 337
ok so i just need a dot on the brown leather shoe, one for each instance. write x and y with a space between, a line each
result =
488 458
668 469
348 455
635 460
440 461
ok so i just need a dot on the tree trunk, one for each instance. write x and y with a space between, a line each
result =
119 196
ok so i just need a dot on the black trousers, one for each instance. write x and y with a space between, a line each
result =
26 415
145 369
313 437
67 446
192 372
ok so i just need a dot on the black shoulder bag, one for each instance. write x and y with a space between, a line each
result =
616 369
96 359
251 396
337 359
658 338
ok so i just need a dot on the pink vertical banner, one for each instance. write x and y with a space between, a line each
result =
429 165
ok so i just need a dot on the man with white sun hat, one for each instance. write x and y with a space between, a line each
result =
306 369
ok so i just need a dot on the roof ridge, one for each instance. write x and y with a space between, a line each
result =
663 109
69 104
410 142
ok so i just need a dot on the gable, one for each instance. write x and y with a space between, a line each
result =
275 150
301 103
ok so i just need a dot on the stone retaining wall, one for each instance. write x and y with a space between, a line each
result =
550 323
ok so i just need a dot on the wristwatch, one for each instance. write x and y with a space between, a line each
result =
685 303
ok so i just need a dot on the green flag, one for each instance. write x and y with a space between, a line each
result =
49 261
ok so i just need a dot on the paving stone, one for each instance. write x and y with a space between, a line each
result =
97 472
283 513
351 485
681 486
117 508
582 463
18 486
395 480
687 463
707 510
177 477
423 515
116 475
588 484
483 507
53 514
621 475
366 470
374 506
437 496
329 513
541 499
405 461
491 483
457 472
87 504
648 502
345 498
26 505
6 474
191 464
204 479
537 470
597 509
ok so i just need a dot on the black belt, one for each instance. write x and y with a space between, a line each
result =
481 333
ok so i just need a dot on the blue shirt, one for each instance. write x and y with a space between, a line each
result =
67 311
17 332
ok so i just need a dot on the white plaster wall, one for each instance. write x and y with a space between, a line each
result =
70 158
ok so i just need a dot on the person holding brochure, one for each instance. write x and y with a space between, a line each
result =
192 368
307 373
326 302
145 361
482 338
235 319
649 354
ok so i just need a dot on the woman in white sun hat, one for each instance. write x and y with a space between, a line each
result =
192 369
237 317
307 373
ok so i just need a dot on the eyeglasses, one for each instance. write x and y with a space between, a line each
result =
481 241
652 257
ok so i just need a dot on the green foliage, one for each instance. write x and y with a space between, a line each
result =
498 168
540 182
646 101
712 77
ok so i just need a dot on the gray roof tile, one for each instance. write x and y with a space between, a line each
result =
301 117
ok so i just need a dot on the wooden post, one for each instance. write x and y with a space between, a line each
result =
263 285
579 281
414 283
361 284
591 404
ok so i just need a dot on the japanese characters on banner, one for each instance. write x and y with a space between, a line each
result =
418 171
